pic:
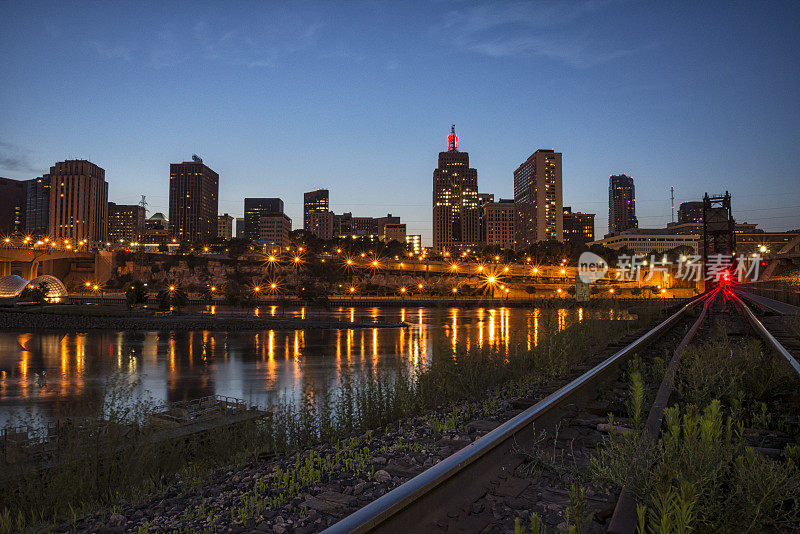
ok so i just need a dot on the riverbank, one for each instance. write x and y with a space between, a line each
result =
308 490
67 319
294 473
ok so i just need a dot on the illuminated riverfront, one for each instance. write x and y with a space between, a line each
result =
262 366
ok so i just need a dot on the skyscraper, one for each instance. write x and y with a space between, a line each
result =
13 199
78 208
125 222
37 210
456 218
314 201
537 194
500 223
254 209
193 201
621 204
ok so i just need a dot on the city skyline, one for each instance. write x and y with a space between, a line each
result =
611 102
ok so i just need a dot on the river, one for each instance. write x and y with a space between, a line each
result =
45 375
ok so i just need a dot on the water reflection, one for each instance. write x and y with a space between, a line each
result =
45 373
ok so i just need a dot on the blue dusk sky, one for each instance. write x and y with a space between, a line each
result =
284 97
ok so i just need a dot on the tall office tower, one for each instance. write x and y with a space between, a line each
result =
125 222
254 209
483 199
78 207
690 212
578 227
37 209
193 201
500 223
314 201
239 227
225 227
621 204
456 217
13 204
537 193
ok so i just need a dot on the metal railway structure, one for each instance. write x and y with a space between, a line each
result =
444 492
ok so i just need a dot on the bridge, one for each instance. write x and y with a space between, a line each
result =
789 253
61 263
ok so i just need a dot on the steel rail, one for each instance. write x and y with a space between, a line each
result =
775 306
624 520
393 512
766 335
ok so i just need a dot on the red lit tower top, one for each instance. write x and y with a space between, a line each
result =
452 140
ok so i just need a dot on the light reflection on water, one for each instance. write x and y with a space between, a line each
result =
262 367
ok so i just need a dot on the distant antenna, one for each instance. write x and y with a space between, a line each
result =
196 158
143 203
672 200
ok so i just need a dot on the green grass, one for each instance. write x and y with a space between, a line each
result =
701 476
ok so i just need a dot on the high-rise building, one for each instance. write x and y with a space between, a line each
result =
621 204
690 212
37 209
483 199
537 194
193 201
274 229
500 223
239 227
456 217
125 222
578 227
13 204
314 201
254 209
224 227
78 207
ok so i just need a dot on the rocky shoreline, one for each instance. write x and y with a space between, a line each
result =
42 321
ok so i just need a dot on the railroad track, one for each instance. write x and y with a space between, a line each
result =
446 496
463 492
